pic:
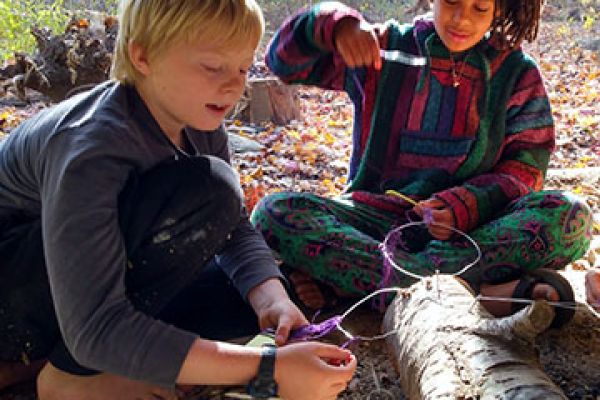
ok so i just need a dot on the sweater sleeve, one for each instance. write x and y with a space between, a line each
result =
522 162
246 259
303 50
86 262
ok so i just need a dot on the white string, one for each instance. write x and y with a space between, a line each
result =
387 254
390 257
403 58
357 304
559 304
570 305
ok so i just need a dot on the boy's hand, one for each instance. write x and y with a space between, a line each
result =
440 214
313 371
357 43
592 288
275 309
284 315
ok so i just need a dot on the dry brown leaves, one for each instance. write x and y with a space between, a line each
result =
572 77
304 156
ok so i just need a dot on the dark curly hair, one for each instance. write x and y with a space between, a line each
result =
517 20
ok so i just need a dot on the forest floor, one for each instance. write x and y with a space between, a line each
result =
312 154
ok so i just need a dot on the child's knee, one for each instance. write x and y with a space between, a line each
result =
208 189
226 193
576 221
225 179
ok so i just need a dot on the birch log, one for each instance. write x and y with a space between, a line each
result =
446 346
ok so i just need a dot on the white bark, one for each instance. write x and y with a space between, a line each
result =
451 348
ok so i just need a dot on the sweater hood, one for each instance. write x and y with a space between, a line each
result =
424 32
428 41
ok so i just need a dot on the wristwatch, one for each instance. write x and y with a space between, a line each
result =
263 385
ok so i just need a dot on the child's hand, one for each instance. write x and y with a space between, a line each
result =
592 288
357 43
307 371
440 214
274 308
284 315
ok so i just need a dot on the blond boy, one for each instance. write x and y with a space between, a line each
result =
123 238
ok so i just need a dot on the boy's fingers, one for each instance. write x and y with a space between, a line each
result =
339 386
348 367
325 350
283 330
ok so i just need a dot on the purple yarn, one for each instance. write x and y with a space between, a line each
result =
348 343
360 88
428 216
358 85
315 331
393 238
386 272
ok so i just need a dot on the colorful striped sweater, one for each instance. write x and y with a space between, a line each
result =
477 146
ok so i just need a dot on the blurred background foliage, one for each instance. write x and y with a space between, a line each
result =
18 16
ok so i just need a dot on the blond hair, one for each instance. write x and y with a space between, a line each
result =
157 24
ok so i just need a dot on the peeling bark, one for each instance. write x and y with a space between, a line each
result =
452 348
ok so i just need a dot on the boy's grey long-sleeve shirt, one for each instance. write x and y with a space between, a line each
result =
67 166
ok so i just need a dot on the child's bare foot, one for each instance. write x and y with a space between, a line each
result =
500 308
307 290
311 293
54 384
12 373
592 288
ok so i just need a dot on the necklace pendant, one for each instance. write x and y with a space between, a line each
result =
455 78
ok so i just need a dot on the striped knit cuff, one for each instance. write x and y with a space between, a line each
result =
463 205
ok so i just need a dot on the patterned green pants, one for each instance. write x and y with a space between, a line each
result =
337 241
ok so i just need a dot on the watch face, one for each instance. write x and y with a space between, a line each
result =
262 388
272 388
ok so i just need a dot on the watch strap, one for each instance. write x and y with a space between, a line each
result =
263 385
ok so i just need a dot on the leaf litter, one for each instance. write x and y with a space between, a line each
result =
312 155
